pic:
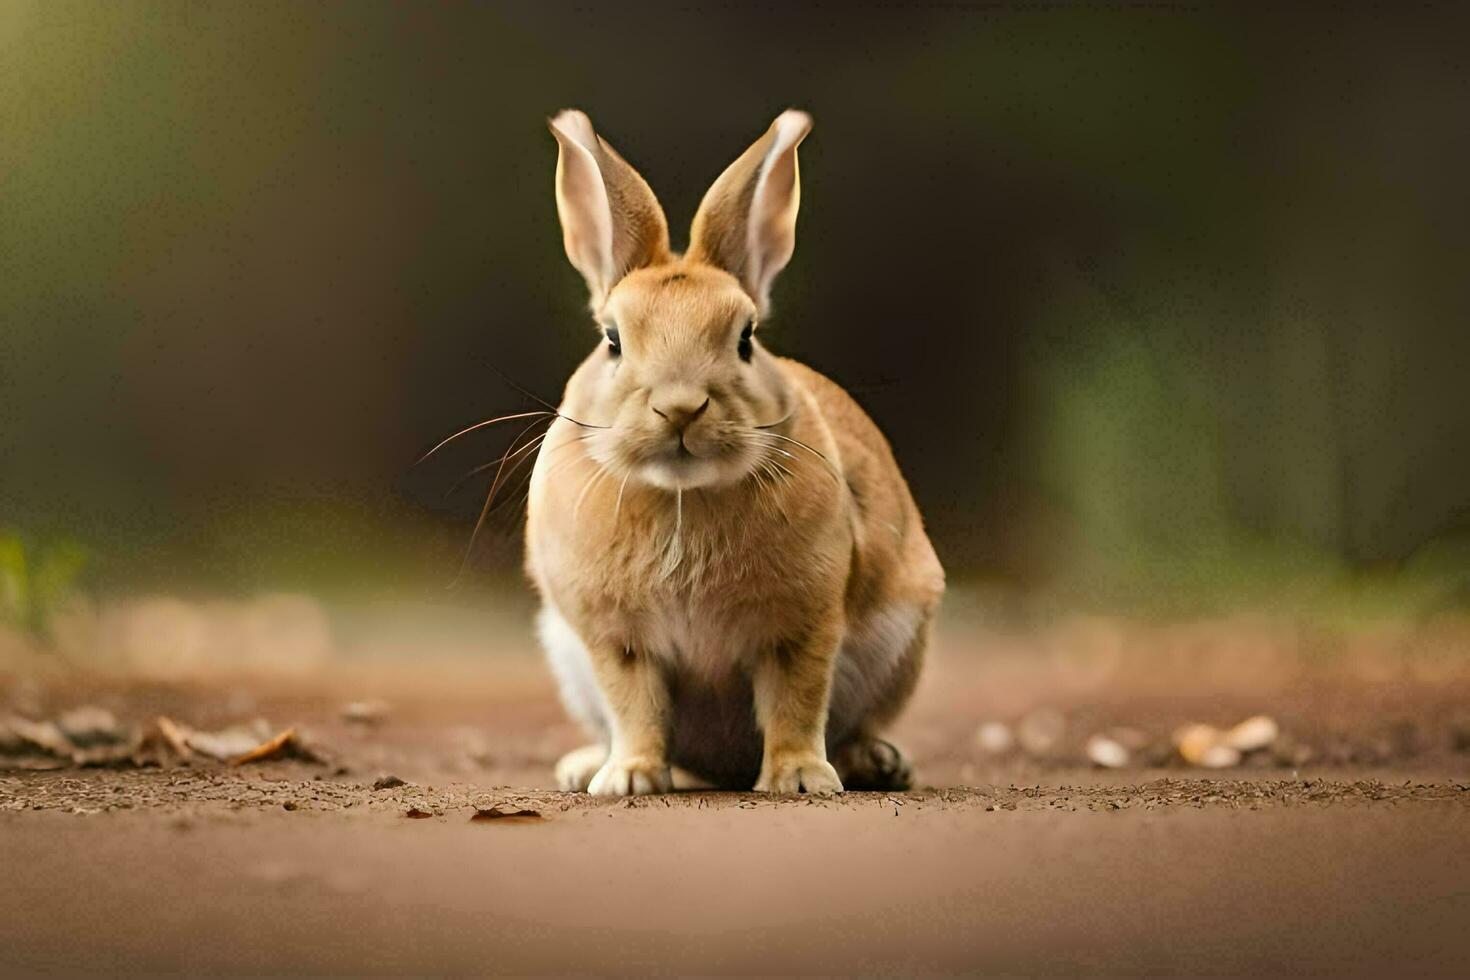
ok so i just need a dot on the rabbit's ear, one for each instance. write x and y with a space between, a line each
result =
611 223
746 223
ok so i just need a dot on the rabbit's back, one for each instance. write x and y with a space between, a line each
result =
895 582
893 562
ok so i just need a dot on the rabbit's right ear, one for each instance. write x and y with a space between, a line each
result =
746 223
611 223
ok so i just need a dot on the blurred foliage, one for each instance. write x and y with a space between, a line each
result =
1159 305
36 581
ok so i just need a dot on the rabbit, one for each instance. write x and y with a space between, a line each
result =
736 584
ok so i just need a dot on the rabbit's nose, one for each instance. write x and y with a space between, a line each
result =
680 406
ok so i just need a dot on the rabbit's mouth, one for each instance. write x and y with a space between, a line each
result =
686 447
678 466
679 473
685 463
708 453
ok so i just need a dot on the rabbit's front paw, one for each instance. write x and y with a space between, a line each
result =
575 770
798 773
631 777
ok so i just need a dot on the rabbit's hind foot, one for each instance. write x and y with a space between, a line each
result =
868 763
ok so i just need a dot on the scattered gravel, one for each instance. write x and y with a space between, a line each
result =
225 792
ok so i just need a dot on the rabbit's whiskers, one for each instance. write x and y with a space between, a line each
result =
597 477
542 401
547 411
767 478
783 469
618 507
480 425
769 450
511 451
781 421
798 443
674 549
516 460
524 452
566 460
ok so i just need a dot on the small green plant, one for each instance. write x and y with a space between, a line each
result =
36 581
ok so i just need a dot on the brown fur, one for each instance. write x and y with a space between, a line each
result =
715 530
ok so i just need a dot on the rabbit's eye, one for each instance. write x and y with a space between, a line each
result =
614 345
744 348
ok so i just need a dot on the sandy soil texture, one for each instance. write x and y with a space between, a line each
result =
426 840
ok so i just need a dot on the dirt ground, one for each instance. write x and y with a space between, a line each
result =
1345 849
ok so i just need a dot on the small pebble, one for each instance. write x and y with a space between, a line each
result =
1219 757
1253 734
995 737
1204 746
366 712
1106 752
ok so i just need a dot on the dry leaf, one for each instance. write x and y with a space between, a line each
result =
90 725
506 813
228 745
91 736
44 735
286 745
176 735
112 753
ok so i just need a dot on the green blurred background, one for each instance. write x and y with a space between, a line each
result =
1162 307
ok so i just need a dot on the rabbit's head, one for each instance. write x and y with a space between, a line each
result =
679 390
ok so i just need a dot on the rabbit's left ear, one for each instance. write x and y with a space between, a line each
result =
746 223
611 222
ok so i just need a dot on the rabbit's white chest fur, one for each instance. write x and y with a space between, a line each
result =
707 644
681 635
